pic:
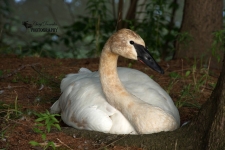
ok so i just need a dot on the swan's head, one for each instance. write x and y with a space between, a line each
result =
130 45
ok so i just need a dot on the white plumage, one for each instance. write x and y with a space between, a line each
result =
84 105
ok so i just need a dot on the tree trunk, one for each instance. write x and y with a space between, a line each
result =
200 19
120 15
129 16
216 135
131 12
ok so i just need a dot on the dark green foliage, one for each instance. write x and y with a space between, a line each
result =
87 35
157 29
218 43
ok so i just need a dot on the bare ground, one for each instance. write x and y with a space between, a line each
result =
31 84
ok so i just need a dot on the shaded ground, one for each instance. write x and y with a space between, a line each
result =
30 84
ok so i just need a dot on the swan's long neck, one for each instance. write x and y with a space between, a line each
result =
113 89
111 83
143 117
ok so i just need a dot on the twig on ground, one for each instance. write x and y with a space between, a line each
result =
64 144
17 70
12 87
44 144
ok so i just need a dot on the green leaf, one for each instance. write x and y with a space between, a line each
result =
174 75
39 119
187 73
43 136
55 120
36 130
40 125
34 143
52 144
57 126
56 115
48 127
47 120
47 112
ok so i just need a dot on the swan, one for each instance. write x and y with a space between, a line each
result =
117 100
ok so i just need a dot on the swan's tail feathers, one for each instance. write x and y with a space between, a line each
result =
84 70
55 109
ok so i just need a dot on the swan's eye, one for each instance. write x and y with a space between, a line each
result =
131 42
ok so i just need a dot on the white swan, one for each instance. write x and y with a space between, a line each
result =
120 100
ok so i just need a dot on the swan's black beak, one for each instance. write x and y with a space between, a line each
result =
145 57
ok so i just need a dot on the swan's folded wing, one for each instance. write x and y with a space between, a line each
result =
146 89
83 105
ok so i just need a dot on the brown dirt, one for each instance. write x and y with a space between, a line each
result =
34 84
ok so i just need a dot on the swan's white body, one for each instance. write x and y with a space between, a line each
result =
137 104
